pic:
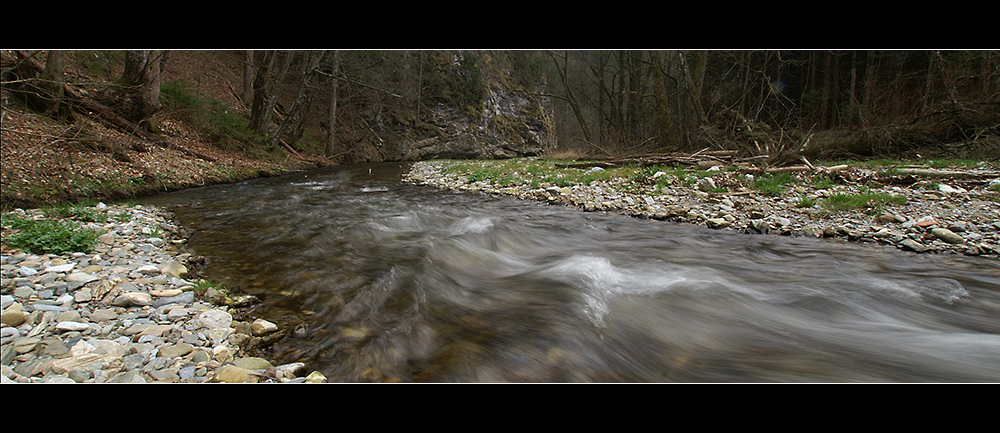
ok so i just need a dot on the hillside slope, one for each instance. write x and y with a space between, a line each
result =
43 160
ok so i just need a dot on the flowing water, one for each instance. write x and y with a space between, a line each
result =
385 281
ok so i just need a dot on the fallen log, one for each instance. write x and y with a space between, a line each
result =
943 173
788 169
585 164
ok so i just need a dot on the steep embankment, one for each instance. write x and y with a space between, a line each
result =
45 161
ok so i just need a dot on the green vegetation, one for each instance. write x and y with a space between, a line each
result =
864 200
806 202
773 184
81 211
203 285
823 182
48 236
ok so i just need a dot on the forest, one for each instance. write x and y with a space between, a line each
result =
344 105
825 103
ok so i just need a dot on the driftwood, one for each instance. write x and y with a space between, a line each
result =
942 173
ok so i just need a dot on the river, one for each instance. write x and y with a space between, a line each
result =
387 281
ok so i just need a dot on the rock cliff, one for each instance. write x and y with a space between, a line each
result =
507 120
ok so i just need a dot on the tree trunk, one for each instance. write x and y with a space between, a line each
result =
949 85
260 85
50 99
141 79
331 137
867 102
265 90
570 96
824 111
692 90
296 109
662 100
274 87
247 95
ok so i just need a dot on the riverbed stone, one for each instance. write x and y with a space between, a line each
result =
262 327
947 235
12 317
252 363
230 373
132 299
91 318
175 350
215 319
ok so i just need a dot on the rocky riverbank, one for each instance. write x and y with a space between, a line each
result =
124 311
924 213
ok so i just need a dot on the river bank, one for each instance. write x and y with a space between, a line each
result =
957 212
128 310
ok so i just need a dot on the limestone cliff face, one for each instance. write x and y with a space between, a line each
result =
509 121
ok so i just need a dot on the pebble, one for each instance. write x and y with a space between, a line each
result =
123 313
951 219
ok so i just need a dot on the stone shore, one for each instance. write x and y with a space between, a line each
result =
937 215
124 312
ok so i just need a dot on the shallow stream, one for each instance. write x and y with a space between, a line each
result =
386 281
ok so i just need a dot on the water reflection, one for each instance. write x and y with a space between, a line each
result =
393 282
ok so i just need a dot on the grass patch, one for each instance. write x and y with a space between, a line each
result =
48 236
823 182
202 286
773 184
81 211
866 200
484 174
806 202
